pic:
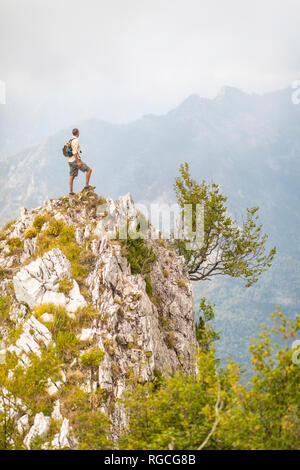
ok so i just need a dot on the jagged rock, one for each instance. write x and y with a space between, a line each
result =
56 414
87 334
22 224
87 231
17 312
53 387
75 300
38 282
33 333
61 439
117 214
6 261
79 235
40 427
25 343
22 424
47 317
136 332
40 331
10 404
138 339
29 249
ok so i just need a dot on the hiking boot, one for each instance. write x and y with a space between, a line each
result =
71 193
89 187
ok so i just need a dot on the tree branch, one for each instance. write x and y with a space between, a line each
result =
218 408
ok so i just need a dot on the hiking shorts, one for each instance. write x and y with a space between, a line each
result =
74 168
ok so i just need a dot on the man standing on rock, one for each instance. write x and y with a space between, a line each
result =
75 163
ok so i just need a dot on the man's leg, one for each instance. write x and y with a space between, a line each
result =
83 167
71 183
87 176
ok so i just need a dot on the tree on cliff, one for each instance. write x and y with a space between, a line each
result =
226 248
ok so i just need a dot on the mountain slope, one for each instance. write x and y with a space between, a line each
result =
83 319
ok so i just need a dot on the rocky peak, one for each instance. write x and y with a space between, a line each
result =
101 310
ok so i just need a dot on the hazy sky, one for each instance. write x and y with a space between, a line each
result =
120 59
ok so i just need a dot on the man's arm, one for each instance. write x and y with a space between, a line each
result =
76 153
79 162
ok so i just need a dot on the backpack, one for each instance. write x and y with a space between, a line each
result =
67 149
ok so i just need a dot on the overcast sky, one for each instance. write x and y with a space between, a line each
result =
121 59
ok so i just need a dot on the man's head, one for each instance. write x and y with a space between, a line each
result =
75 132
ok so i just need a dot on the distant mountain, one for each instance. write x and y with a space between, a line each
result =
248 143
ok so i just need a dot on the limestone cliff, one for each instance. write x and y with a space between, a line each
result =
99 309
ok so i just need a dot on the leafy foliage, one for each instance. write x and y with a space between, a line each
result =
92 358
5 304
266 413
92 430
227 249
30 232
214 410
65 285
139 256
205 334
39 221
178 414
15 245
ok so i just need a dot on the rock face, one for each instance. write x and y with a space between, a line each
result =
141 323
40 427
38 282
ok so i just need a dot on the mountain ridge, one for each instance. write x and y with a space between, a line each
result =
86 316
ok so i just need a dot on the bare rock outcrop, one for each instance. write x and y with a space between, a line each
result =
140 323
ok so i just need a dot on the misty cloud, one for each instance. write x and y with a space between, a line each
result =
65 61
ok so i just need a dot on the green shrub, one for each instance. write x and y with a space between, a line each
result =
48 308
5 304
15 245
30 232
85 315
67 345
74 399
55 227
66 234
149 288
139 256
65 285
15 334
181 283
2 235
4 273
39 221
61 321
92 430
10 224
71 251
166 273
31 384
177 410
92 358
